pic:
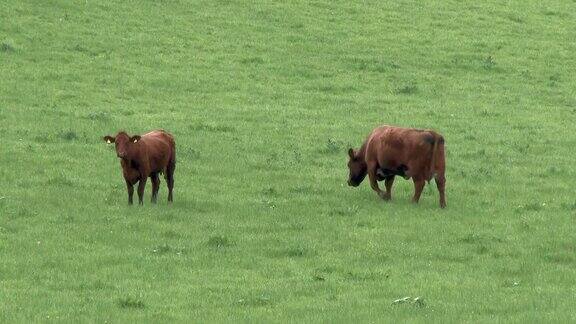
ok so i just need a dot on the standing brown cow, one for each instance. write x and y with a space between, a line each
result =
410 153
146 156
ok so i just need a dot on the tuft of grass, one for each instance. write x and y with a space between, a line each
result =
488 63
346 211
373 65
334 89
127 112
60 179
530 207
219 242
293 252
407 89
515 18
475 238
162 249
561 258
21 212
364 276
171 234
270 192
252 60
68 135
166 248
569 206
256 301
189 152
208 127
333 146
7 47
99 116
130 303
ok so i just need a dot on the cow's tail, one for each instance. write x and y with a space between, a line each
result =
437 141
173 151
172 161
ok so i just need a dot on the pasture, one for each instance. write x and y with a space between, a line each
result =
264 99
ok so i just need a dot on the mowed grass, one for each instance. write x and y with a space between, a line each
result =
264 99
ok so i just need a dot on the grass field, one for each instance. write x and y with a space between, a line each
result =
264 100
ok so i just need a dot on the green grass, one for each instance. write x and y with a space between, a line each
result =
264 100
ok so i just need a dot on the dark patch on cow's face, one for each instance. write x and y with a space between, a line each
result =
357 167
122 145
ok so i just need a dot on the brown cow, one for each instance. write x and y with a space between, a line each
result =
146 156
410 153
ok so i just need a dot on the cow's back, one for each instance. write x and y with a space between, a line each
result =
397 148
159 138
160 148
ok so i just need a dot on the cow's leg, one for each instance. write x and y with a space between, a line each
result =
388 181
440 184
155 186
130 188
141 186
373 176
170 179
418 186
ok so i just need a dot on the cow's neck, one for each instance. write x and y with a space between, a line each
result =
361 155
130 163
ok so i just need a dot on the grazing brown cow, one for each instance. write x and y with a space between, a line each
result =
410 153
146 156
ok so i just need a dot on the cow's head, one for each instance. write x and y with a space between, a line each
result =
124 143
357 167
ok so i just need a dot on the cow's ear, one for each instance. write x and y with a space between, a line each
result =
109 139
135 138
351 153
